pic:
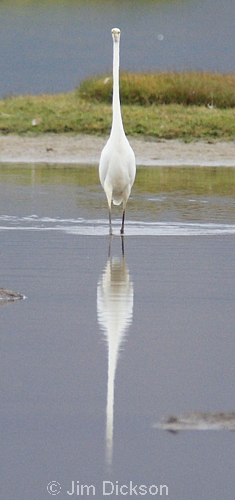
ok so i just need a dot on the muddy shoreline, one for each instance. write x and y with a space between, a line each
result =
86 149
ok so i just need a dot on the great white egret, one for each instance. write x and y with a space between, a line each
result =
117 167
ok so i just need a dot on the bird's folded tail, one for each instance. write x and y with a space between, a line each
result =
117 200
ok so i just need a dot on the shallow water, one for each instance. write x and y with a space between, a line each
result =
161 318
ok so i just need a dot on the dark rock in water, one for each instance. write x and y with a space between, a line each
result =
198 421
7 296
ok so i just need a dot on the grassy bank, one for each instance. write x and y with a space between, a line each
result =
89 111
189 89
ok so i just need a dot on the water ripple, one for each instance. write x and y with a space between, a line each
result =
98 227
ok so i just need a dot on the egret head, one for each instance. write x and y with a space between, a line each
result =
116 34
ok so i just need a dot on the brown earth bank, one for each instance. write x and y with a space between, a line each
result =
86 149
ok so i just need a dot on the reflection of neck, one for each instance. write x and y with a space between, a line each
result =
117 125
112 363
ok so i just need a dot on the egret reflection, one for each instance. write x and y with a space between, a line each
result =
114 310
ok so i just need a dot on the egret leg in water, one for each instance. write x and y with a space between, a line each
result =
117 166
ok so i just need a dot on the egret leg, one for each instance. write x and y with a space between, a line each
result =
123 220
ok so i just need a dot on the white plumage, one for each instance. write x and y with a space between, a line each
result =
117 166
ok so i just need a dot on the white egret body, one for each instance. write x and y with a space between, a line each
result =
117 167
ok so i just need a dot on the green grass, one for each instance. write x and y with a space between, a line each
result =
88 111
189 89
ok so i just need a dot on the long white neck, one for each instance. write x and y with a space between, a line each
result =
117 125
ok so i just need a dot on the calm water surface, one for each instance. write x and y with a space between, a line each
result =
50 46
158 321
